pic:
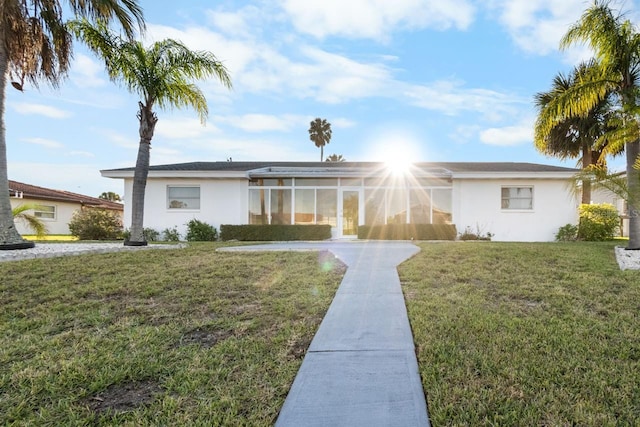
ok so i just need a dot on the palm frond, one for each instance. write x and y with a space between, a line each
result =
20 213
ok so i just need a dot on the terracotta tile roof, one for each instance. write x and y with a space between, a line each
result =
451 166
41 193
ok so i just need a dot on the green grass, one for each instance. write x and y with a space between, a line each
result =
167 337
525 334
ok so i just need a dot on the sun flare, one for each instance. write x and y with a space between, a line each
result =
398 148
398 162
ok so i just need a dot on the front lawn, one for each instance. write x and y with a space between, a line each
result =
525 334
157 337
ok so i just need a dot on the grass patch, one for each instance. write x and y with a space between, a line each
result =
51 237
525 334
180 337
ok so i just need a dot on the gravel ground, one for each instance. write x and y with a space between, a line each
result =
50 250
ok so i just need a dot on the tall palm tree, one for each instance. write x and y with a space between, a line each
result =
616 44
161 75
574 136
320 134
35 46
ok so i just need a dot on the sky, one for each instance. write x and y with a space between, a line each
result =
427 80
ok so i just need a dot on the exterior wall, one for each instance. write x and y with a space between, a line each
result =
222 201
477 205
59 225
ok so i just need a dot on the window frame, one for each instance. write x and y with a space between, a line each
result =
508 209
37 212
181 209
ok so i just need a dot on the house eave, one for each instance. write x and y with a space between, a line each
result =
338 172
125 174
513 175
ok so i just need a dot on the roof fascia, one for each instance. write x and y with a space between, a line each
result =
124 174
513 175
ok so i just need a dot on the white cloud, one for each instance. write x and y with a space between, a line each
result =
262 122
520 133
375 19
183 128
79 153
536 26
235 54
43 142
341 123
450 97
237 23
465 133
125 141
87 72
43 110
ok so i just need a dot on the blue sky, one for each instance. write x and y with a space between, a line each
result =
427 79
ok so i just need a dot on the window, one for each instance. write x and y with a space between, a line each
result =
305 206
280 206
517 198
258 204
374 207
45 212
316 182
270 182
327 207
183 197
441 212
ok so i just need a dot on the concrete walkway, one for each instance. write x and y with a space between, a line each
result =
361 368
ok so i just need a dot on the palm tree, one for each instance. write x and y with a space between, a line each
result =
616 44
320 134
35 46
111 196
577 136
335 158
20 213
161 75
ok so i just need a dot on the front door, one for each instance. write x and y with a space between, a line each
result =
349 213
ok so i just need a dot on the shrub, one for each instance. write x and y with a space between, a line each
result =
95 224
469 234
567 233
149 234
407 232
275 232
198 231
598 222
171 234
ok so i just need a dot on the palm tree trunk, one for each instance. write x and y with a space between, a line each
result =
321 152
632 150
587 160
9 236
148 122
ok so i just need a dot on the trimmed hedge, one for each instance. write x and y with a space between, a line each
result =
275 232
408 232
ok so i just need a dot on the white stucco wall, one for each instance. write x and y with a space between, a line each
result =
602 195
477 205
222 201
59 225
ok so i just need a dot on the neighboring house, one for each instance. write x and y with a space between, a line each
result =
55 207
603 195
512 201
